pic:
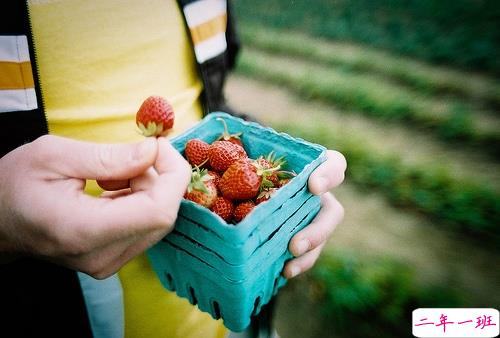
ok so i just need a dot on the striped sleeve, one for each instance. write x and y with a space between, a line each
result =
17 92
207 22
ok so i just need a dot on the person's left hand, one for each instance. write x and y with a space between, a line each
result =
307 244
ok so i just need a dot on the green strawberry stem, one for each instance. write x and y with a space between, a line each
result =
152 129
225 134
198 179
264 173
282 174
271 158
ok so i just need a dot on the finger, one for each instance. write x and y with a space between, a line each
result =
329 174
141 182
137 213
320 229
116 193
302 263
115 216
144 181
100 262
138 247
169 159
113 184
102 162
107 260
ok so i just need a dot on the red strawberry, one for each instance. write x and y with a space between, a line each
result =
223 207
270 161
240 181
215 177
201 189
242 210
222 154
196 152
155 116
273 177
226 136
244 179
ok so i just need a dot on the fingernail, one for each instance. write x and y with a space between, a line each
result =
294 271
302 247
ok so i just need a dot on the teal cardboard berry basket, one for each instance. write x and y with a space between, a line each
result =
228 270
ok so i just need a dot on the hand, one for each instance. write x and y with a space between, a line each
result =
44 211
307 244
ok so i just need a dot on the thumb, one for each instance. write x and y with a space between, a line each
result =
87 160
174 175
329 174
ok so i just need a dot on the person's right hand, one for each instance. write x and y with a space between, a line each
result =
44 211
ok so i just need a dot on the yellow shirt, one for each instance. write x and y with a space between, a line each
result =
98 60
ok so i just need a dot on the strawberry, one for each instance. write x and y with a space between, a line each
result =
222 154
226 136
270 161
223 207
240 181
155 116
201 189
196 151
215 177
244 179
242 210
273 177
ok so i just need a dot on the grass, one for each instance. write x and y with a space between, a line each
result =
461 33
372 96
420 76
376 293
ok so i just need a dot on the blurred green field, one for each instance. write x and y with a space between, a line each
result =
463 33
421 134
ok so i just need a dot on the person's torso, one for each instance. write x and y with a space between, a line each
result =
97 62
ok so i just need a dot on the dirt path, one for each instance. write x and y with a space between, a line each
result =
271 103
371 225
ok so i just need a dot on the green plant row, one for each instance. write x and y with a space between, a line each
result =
423 77
457 205
377 294
370 96
456 32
